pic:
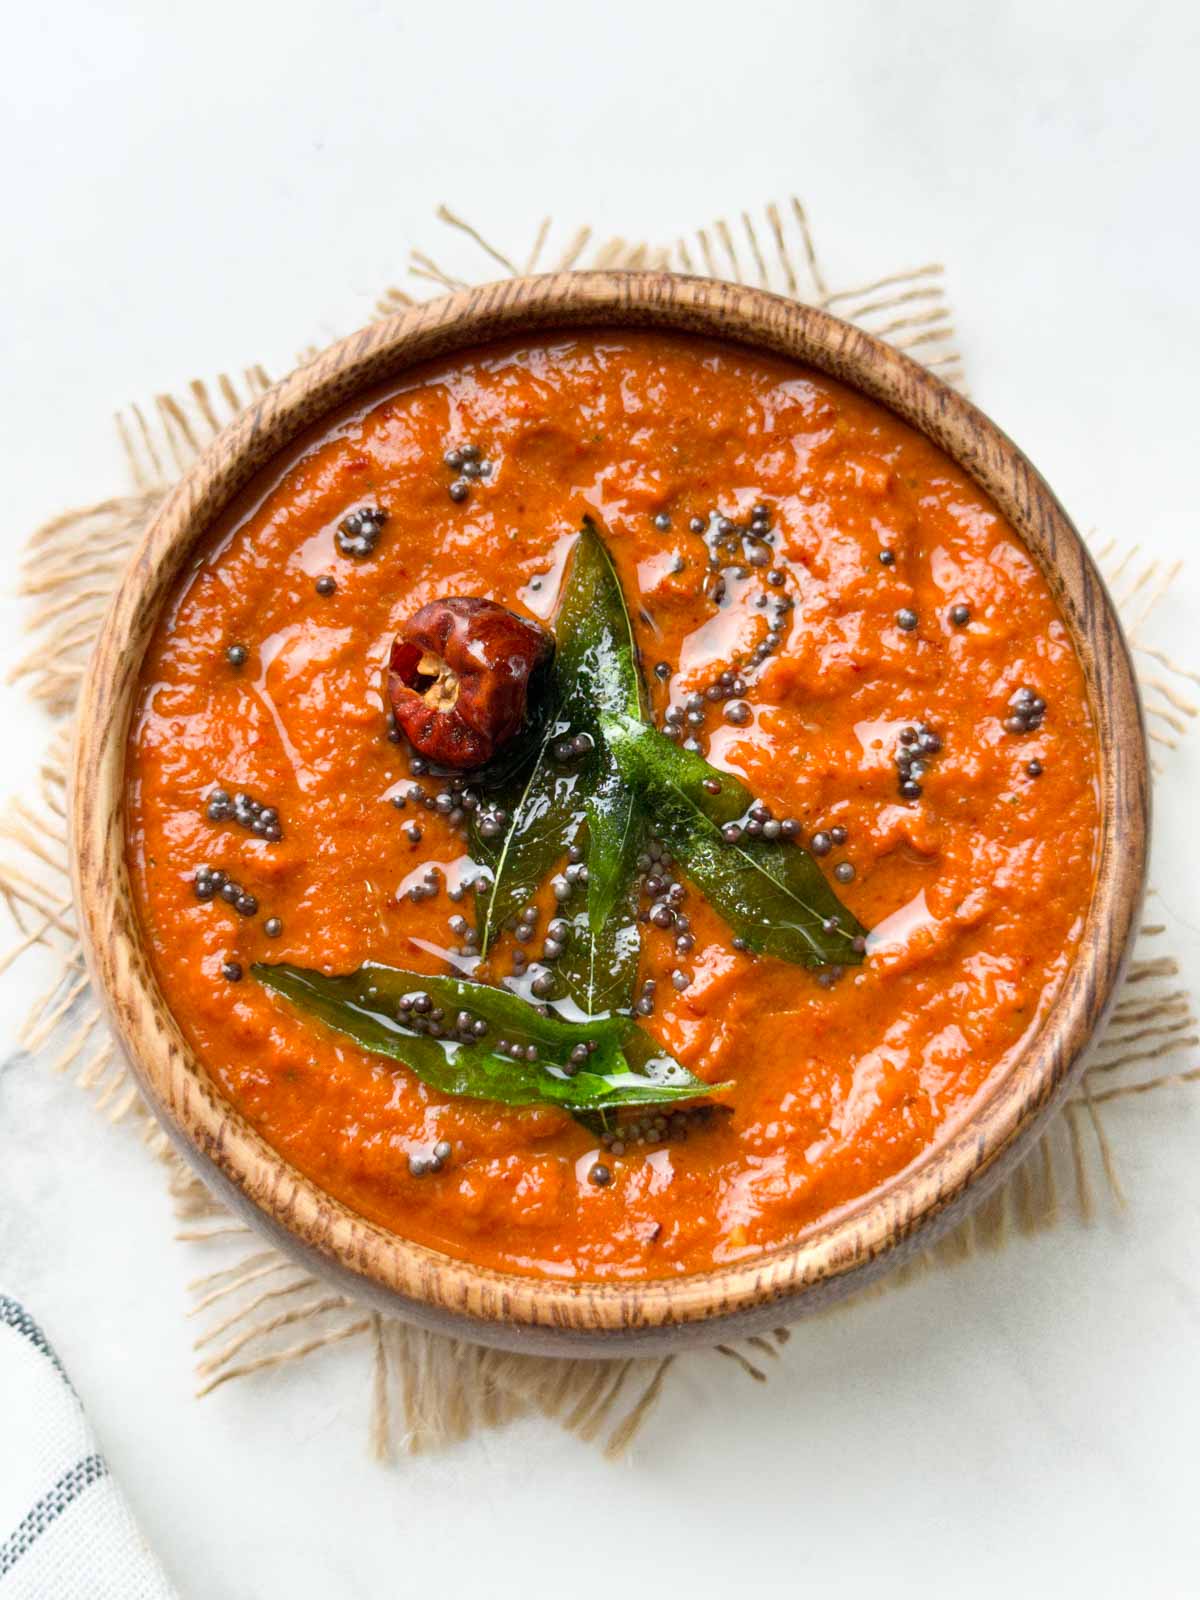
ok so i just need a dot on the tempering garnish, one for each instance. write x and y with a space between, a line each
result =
486 1043
767 888
459 678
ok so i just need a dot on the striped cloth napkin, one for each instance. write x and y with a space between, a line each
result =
65 1530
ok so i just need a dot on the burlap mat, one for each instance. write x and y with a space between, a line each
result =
255 1309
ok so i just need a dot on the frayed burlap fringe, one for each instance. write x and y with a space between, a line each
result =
255 1308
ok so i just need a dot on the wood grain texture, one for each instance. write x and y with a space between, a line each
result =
842 1253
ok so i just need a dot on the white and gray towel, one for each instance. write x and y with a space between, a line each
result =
65 1530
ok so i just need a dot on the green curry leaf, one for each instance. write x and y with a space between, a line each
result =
365 1005
596 641
770 892
600 965
595 674
545 813
600 656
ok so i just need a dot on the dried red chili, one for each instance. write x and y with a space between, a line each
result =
459 676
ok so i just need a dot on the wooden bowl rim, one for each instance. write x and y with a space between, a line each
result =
839 1252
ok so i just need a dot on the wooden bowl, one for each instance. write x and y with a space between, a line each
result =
841 1253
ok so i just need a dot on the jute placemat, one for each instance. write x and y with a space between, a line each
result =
256 1310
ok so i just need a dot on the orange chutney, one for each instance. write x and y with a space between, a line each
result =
975 889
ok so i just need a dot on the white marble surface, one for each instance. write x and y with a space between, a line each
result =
192 187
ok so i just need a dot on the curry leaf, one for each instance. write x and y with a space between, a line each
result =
598 676
595 635
599 657
545 812
365 1005
616 830
600 966
770 892
595 673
